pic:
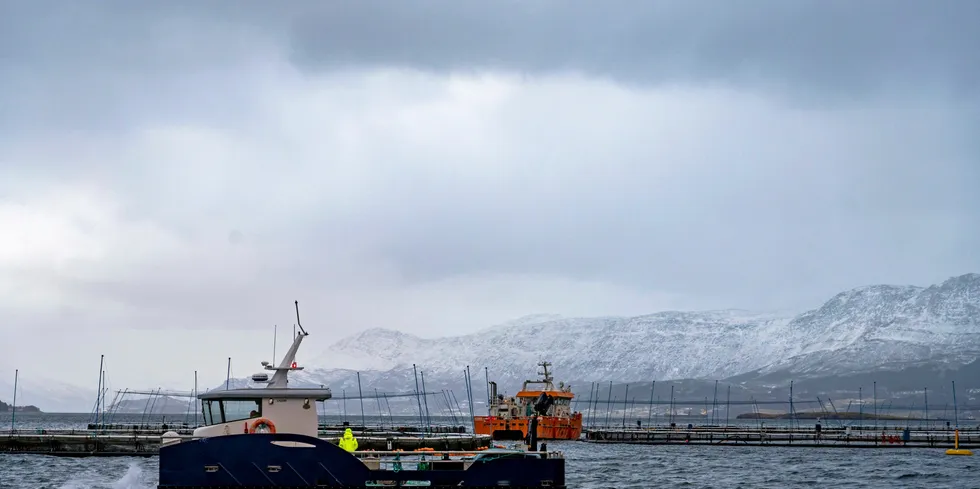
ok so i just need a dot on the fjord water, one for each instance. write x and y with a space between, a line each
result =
588 466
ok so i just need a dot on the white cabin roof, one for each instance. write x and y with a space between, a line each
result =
268 393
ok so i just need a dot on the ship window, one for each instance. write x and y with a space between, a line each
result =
206 411
239 409
229 410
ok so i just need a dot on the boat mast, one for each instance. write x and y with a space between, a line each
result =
279 379
547 377
13 407
486 375
98 395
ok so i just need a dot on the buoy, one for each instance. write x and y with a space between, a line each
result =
956 450
294 364
253 426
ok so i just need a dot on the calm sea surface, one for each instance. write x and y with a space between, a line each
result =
589 466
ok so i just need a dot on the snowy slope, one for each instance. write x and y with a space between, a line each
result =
857 330
867 328
888 327
658 345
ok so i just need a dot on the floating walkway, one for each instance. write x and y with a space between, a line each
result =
324 429
128 443
789 437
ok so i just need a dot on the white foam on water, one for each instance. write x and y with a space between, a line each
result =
134 478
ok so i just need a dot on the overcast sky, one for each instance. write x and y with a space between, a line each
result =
173 177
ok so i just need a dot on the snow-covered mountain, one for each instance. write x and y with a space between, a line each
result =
661 345
923 331
867 328
887 327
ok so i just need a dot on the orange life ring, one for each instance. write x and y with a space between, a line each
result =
294 365
255 423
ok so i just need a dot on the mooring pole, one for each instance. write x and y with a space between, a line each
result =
195 399
956 410
714 404
608 406
792 413
626 404
861 407
587 414
381 414
417 398
13 409
653 387
874 392
105 390
926 394
728 406
425 402
469 381
361 395
98 397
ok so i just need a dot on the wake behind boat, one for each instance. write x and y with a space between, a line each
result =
267 437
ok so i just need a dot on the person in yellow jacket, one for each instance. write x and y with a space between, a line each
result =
348 442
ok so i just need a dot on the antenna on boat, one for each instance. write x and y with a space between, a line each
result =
288 362
298 323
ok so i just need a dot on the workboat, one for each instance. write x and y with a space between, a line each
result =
510 418
268 437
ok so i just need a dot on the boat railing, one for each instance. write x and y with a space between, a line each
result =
437 454
434 460
398 434
331 436
171 438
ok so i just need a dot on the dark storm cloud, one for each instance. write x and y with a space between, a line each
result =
840 47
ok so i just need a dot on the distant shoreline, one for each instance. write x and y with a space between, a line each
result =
6 408
834 416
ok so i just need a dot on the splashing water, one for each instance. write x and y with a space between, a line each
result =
133 479
42 472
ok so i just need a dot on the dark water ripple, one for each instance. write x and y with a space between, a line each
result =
608 466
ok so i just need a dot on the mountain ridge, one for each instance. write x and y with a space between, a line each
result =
856 330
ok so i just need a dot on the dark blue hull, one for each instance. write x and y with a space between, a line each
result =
253 460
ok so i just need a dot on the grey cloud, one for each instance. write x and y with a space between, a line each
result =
178 51
388 200
104 66
837 47
765 213
761 213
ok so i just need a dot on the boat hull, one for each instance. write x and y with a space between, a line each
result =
549 427
299 461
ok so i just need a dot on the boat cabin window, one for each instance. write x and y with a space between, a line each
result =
219 411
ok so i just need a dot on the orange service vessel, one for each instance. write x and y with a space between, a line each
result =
509 417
